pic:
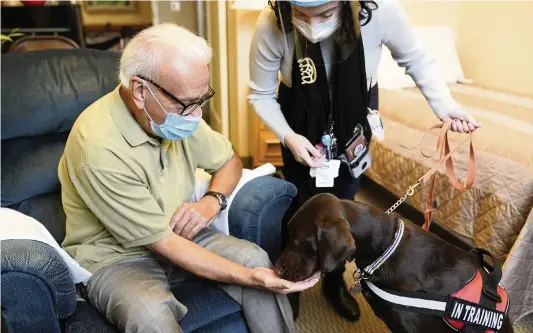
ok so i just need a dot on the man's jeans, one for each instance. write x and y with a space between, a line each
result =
251 220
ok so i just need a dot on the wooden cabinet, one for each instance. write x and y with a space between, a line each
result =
264 144
269 148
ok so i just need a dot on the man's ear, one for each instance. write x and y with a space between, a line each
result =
335 243
138 93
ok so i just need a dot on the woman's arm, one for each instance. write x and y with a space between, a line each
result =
266 52
398 36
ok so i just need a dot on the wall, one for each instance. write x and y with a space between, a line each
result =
433 12
185 17
216 30
241 27
496 45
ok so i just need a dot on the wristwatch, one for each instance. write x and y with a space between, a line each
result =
221 199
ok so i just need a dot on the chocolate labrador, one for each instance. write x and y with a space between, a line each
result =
326 232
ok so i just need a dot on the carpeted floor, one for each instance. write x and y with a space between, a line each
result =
316 316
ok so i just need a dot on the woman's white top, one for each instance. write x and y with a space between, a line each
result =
272 53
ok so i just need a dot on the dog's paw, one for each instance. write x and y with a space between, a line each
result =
350 308
340 299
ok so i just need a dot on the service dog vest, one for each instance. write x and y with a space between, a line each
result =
480 306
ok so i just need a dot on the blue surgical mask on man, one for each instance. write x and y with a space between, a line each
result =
175 127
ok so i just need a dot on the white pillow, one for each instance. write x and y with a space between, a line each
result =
16 225
439 43
390 75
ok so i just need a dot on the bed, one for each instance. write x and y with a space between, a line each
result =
496 213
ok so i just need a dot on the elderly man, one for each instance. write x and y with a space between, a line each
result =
127 178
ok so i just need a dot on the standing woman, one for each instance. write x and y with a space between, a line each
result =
327 53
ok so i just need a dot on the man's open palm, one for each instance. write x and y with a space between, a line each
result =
266 278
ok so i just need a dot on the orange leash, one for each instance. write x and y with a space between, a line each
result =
443 148
445 156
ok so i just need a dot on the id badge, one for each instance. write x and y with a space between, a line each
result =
376 125
331 166
325 176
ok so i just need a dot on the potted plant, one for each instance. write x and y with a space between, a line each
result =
9 37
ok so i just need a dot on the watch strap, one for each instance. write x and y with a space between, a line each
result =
221 198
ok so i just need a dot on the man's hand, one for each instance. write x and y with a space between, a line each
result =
191 218
462 122
265 278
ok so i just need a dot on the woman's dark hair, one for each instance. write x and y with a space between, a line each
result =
346 29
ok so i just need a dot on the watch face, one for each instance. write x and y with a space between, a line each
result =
221 199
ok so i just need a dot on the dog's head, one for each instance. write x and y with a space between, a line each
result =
320 239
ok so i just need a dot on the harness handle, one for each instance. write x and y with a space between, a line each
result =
491 273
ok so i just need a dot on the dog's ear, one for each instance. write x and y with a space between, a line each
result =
335 243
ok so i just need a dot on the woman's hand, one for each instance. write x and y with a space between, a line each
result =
266 278
303 151
462 122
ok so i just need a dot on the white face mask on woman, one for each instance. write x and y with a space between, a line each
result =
320 31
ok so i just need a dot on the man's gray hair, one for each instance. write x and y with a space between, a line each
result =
143 53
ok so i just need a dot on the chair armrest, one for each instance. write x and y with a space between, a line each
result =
30 260
257 211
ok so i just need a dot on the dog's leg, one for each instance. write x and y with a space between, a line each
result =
338 296
507 326
294 300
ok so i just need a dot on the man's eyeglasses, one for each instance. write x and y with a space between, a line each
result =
186 109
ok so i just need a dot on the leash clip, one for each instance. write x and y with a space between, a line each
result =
360 274
409 193
412 188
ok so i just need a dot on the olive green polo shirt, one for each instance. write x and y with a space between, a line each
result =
120 186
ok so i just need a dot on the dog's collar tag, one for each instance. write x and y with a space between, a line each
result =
356 287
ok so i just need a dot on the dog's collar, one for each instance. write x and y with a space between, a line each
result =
366 272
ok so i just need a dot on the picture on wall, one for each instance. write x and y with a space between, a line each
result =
109 6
